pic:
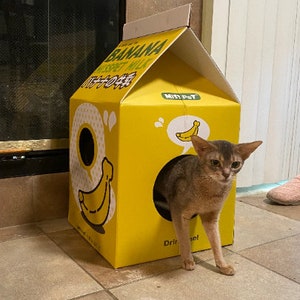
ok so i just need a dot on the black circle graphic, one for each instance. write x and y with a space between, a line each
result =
86 146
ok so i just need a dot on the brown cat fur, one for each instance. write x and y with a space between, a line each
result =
199 185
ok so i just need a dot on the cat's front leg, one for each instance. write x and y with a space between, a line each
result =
182 227
211 226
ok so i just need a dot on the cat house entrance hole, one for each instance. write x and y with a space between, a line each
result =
86 146
159 199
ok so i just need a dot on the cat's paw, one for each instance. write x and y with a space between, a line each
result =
227 270
188 264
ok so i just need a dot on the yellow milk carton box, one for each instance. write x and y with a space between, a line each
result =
133 115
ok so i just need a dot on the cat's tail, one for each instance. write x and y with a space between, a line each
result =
161 205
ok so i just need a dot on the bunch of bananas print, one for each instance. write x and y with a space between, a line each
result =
91 171
186 136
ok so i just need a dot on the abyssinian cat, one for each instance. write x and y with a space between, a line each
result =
198 185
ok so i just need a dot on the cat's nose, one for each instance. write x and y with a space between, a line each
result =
226 174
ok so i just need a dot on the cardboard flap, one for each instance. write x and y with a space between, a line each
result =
192 52
171 19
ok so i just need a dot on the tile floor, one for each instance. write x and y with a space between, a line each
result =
49 260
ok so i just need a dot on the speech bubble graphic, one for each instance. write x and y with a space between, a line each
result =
112 120
182 128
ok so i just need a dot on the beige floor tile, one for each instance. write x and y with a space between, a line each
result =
83 253
54 225
254 226
35 268
281 256
20 231
260 200
206 255
251 282
90 260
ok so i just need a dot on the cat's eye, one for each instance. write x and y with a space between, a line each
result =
215 163
235 164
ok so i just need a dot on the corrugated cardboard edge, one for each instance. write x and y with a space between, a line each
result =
192 52
168 20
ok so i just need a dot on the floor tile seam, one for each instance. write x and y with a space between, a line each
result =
40 226
23 237
269 211
144 278
95 293
34 224
266 243
262 266
94 278
83 295
70 257
198 261
17 225
48 232
267 268
111 294
231 251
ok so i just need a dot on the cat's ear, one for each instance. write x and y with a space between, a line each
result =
246 149
200 145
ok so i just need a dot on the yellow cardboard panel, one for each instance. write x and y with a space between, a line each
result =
121 137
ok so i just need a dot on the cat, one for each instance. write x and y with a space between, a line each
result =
198 185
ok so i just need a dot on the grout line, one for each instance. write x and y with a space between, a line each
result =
96 280
269 210
111 294
146 277
20 235
239 253
266 243
267 268
95 293
70 257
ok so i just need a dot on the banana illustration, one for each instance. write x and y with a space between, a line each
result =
95 204
186 136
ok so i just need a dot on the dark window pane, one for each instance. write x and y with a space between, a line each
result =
47 49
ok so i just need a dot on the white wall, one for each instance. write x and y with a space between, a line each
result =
256 44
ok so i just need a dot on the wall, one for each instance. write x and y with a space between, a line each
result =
136 9
33 198
256 44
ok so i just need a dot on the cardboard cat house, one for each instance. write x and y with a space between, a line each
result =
134 114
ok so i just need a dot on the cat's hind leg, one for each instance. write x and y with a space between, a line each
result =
211 226
182 229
